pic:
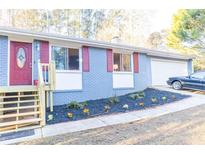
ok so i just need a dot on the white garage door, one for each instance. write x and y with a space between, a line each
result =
163 69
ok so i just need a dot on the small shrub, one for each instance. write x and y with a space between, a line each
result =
132 96
83 105
50 117
106 108
141 103
164 98
74 105
137 95
113 100
86 111
70 115
125 106
154 100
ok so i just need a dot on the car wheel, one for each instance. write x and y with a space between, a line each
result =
177 85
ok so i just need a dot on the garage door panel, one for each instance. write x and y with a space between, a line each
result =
163 69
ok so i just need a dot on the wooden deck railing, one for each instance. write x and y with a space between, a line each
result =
47 82
47 74
23 107
20 108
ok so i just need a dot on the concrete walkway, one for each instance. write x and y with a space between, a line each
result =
101 121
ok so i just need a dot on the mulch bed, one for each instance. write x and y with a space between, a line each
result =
97 107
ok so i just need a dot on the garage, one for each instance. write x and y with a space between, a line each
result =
162 69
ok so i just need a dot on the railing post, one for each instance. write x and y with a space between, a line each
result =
43 109
51 101
41 90
52 82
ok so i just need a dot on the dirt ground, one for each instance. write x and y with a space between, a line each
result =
184 127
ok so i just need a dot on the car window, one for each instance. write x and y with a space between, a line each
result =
198 75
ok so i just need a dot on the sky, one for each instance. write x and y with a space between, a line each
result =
162 19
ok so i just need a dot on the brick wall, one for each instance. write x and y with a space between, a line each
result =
97 83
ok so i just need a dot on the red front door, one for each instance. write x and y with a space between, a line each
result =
20 63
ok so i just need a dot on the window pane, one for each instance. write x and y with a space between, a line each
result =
116 65
73 59
198 75
126 62
60 57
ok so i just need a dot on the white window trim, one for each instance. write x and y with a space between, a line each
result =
124 72
118 83
68 72
65 46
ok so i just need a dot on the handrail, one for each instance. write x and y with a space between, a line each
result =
47 82
40 75
47 74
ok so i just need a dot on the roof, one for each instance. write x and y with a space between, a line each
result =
8 31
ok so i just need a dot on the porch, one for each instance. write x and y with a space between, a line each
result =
24 107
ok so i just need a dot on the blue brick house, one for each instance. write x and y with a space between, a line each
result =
85 69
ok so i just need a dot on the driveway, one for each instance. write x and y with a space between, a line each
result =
182 127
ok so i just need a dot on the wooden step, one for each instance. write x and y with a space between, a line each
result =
5 124
24 101
13 129
18 108
19 114
21 96
12 89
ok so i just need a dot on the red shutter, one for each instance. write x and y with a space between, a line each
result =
44 51
136 62
85 55
109 60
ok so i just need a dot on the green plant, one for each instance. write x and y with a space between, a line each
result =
113 100
125 106
137 95
164 98
73 105
106 108
50 117
141 103
70 115
86 111
154 100
83 104
76 105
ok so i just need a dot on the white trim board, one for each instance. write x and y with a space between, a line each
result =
8 65
69 81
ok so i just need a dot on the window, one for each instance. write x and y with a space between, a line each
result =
65 58
198 75
122 62
21 57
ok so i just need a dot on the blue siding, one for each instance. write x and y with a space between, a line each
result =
97 83
3 60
